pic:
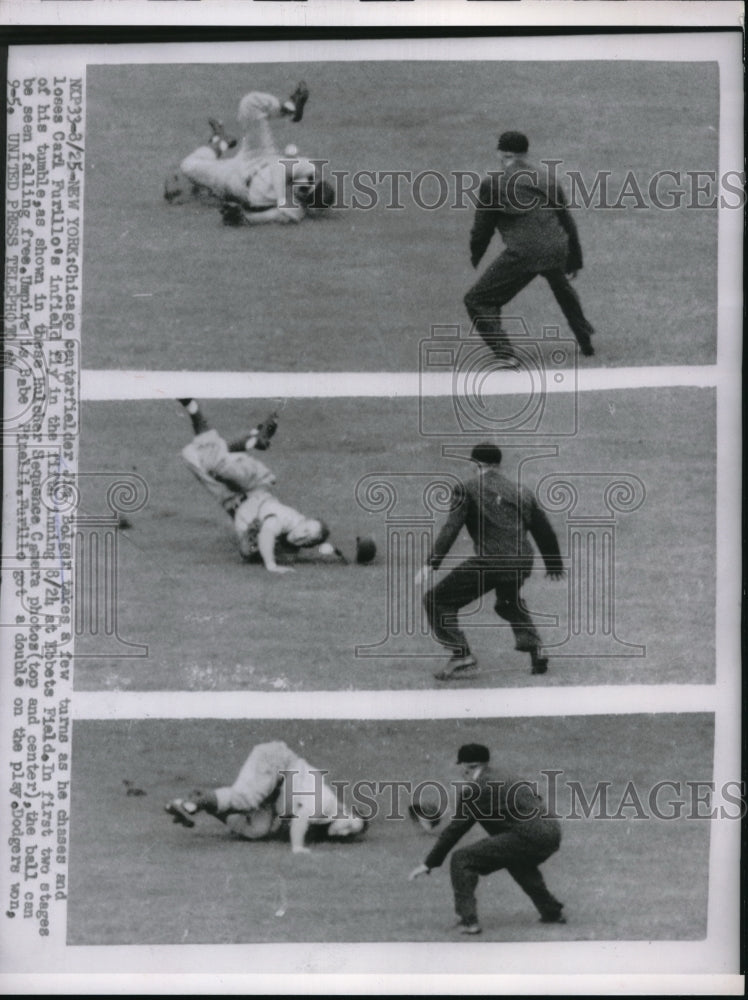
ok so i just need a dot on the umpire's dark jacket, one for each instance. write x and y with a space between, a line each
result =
501 804
530 212
498 516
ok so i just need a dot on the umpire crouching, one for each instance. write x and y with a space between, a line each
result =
521 837
498 515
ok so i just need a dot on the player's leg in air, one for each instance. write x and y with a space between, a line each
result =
213 167
207 171
229 471
258 438
255 110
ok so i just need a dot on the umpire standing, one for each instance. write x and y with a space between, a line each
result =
540 237
520 837
498 515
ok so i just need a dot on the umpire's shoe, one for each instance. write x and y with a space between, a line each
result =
585 346
176 809
459 665
468 928
294 106
539 662
554 916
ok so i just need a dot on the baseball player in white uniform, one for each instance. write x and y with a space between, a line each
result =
254 182
241 484
274 787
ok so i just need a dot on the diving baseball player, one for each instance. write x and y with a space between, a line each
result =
254 183
241 483
274 788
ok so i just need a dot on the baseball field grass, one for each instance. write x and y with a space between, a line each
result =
211 622
169 287
620 879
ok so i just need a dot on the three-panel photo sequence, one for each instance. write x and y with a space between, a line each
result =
405 369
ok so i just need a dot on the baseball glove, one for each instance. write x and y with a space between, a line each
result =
420 818
366 549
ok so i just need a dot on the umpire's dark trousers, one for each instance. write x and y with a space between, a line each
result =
465 584
520 853
504 279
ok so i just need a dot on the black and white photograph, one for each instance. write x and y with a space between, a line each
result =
607 579
326 216
601 842
371 520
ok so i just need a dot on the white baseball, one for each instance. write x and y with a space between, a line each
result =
290 150
326 549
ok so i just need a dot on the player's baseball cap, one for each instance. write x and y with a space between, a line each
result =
513 142
486 453
473 753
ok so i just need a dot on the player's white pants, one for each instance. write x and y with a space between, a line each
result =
254 825
255 108
304 795
225 177
251 175
216 467
257 779
255 176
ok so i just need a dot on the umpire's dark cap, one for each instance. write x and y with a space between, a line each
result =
473 753
513 142
486 454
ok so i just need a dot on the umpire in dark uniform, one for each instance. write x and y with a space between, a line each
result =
498 515
520 838
540 237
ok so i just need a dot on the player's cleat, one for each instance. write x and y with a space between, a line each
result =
294 106
231 213
180 814
539 662
459 665
468 928
219 141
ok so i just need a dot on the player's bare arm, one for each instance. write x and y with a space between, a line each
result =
266 540
297 832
